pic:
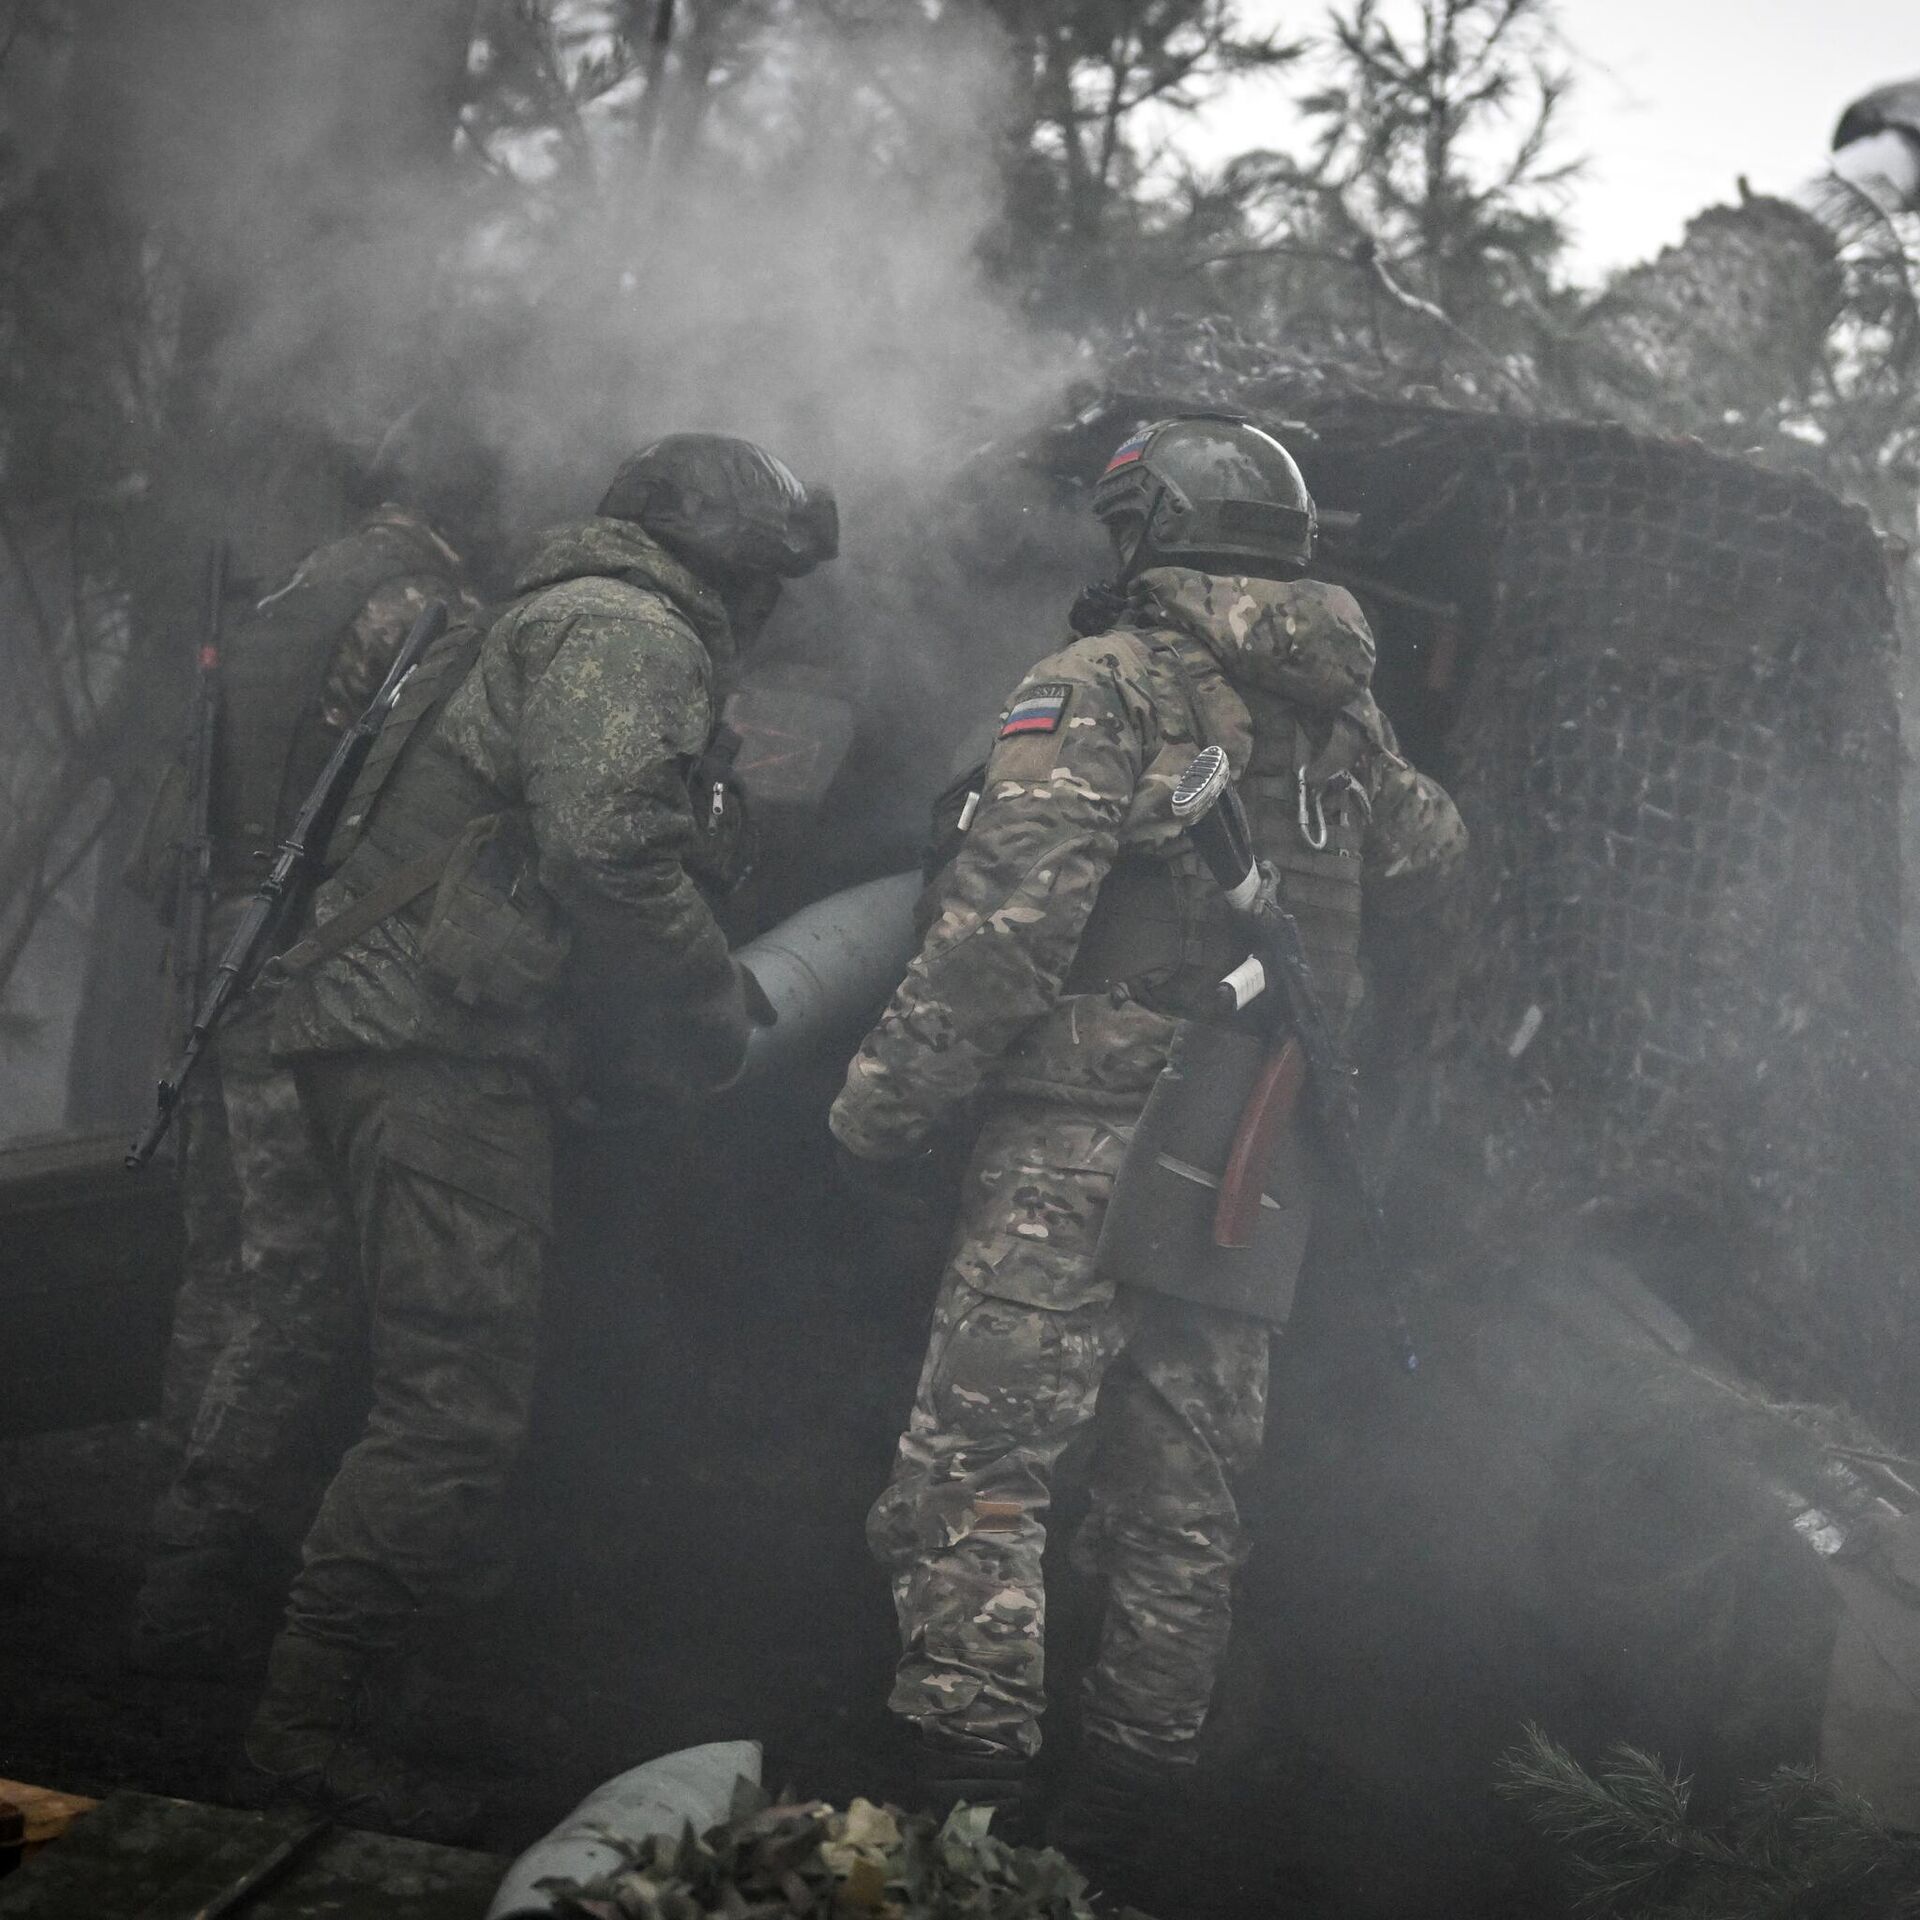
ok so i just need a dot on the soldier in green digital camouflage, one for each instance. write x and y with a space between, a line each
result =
263 1283
516 905
1077 935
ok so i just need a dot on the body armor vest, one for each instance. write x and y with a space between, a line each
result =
490 932
1161 932
423 835
270 742
412 796
448 661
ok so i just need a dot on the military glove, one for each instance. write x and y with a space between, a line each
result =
704 1046
908 1191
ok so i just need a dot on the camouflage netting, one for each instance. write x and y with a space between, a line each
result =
1660 681
1673 730
804 1859
1731 320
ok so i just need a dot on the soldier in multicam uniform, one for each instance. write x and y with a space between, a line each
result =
1078 933
517 877
264 1236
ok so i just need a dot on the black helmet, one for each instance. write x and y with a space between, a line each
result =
1206 490
726 503
433 458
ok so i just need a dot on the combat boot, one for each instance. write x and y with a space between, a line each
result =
948 1773
199 1615
1117 1808
305 1745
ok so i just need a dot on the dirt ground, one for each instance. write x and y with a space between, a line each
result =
682 1566
727 1363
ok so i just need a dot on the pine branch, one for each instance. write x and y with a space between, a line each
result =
1797 1843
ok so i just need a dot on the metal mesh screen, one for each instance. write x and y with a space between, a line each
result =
1680 991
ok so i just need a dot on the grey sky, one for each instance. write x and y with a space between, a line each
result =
1674 99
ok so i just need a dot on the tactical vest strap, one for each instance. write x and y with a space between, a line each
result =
427 688
403 886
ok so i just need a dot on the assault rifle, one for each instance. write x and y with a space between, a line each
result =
1205 803
194 894
271 911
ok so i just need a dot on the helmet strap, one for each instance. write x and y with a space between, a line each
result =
1132 553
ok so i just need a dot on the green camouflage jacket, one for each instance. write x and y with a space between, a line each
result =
593 691
1088 753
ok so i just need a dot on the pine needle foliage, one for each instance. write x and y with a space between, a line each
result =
1795 1846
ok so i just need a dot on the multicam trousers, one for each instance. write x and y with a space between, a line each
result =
265 1297
1028 1353
446 1164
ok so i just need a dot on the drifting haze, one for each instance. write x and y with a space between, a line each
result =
595 261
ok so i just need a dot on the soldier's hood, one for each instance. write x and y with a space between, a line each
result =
1302 639
619 550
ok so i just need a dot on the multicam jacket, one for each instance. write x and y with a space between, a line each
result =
572 731
1077 927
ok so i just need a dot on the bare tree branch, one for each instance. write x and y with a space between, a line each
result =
46 645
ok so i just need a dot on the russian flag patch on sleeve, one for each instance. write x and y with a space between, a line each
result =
1038 710
1128 451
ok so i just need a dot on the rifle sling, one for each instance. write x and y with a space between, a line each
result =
403 886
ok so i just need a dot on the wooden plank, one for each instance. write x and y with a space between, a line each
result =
138 1856
89 1261
62 1169
48 1814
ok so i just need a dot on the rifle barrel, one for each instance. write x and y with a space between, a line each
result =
281 893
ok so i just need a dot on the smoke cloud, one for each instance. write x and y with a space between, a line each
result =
777 235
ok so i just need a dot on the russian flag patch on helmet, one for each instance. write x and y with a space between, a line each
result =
1038 710
1128 451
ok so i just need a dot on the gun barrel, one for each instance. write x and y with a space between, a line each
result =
148 1144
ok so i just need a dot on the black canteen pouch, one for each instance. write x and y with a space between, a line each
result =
1158 1230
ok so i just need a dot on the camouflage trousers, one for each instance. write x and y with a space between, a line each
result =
446 1165
1028 1354
264 1291
208 1308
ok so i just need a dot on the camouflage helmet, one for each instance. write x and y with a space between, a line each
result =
1206 490
434 457
726 503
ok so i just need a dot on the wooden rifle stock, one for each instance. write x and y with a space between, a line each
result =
1205 803
1269 1108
